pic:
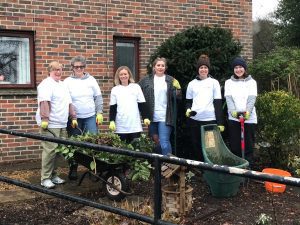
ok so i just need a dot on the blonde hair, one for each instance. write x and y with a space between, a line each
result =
117 79
53 66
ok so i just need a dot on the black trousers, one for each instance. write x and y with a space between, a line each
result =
128 137
195 152
234 129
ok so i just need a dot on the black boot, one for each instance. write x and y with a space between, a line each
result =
73 171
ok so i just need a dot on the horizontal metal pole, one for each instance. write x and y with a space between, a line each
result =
171 159
83 201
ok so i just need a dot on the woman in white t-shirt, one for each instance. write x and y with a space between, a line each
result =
87 100
54 108
203 105
240 94
126 102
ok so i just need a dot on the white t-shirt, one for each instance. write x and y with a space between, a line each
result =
160 99
128 115
240 90
82 92
203 93
58 96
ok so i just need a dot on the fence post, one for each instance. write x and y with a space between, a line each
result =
157 190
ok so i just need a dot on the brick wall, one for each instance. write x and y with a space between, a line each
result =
65 28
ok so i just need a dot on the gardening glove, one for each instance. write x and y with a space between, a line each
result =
176 84
112 125
99 119
221 128
147 122
74 123
44 125
188 112
247 115
234 114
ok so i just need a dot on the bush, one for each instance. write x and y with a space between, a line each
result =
278 70
182 52
279 126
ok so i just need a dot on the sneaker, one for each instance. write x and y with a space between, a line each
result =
57 180
47 183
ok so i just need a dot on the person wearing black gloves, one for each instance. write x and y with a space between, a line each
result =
203 105
126 102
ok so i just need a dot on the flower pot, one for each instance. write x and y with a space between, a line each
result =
171 199
275 187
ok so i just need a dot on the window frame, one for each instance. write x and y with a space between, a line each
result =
136 42
30 36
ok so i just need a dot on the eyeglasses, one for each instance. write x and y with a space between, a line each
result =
78 67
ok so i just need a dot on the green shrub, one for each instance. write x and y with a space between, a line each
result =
182 52
279 126
140 168
278 70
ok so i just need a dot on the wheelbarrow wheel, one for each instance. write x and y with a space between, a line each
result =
118 180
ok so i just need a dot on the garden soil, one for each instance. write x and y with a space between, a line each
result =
22 206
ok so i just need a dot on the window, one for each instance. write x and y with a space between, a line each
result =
126 53
16 59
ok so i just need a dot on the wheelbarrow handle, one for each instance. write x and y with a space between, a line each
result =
51 132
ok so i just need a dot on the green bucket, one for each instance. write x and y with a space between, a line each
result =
216 152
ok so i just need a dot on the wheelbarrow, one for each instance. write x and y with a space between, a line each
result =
216 152
112 175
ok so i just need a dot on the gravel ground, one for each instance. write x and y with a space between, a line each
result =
244 208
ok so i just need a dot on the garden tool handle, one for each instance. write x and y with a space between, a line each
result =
241 116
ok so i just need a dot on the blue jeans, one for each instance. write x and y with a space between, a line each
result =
85 125
163 132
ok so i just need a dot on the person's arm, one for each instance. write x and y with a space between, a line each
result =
143 109
218 111
230 103
188 104
251 97
98 103
45 110
250 103
72 112
112 112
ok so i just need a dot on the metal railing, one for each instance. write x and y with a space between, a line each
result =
157 159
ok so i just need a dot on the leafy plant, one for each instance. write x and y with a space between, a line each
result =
140 168
279 126
288 19
263 219
184 49
294 164
182 52
278 70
